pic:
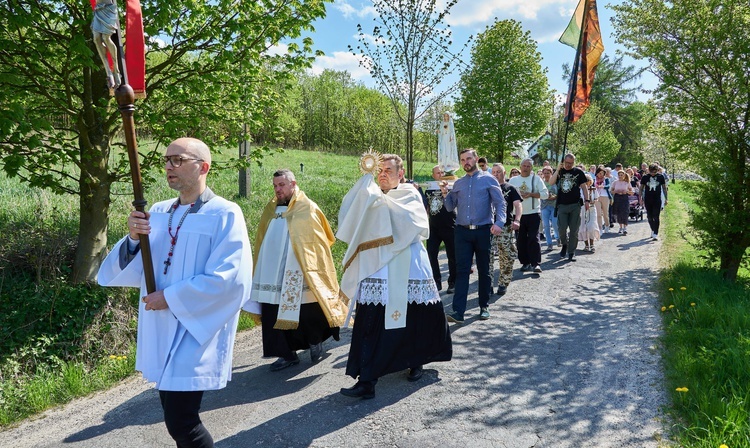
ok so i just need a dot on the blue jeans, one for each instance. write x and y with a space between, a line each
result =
470 243
550 221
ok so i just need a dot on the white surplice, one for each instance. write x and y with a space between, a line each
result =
276 263
189 346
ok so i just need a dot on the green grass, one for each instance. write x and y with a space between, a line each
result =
56 338
706 343
64 350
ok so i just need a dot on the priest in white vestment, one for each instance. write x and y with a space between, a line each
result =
399 322
203 262
294 282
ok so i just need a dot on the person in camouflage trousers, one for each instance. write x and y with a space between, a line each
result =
503 246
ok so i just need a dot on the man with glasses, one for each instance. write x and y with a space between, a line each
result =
295 281
203 267
571 184
653 185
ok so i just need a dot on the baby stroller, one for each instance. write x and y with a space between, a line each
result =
636 209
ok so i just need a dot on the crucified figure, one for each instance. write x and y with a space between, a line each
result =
104 25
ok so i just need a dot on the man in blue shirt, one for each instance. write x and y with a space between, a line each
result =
476 197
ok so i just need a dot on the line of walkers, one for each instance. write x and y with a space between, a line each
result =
206 270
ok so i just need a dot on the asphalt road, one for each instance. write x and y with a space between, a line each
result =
569 358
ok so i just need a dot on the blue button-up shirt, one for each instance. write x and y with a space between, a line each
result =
475 198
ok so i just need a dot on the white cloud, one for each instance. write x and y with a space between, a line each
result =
278 49
471 13
370 38
341 60
349 11
158 41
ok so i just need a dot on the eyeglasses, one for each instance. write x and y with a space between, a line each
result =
176 161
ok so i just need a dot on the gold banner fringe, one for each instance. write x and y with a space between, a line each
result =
285 325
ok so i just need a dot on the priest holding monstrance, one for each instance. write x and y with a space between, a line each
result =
399 320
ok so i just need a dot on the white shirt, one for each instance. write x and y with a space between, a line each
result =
529 184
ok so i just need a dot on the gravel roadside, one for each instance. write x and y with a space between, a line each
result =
569 358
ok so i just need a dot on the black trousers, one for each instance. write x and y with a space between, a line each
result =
182 419
442 235
653 210
529 249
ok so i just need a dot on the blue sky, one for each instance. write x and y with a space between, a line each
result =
546 19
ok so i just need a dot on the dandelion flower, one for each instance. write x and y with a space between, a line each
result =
112 356
682 288
671 306
664 308
671 289
682 389
723 445
692 303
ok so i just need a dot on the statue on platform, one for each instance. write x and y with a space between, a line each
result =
447 148
104 25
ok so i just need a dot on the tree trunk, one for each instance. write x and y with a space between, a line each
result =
94 216
410 147
94 183
729 265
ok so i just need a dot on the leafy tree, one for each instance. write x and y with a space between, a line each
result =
592 139
657 144
698 50
408 54
505 98
554 148
614 90
337 114
58 124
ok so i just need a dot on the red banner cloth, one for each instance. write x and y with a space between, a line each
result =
135 47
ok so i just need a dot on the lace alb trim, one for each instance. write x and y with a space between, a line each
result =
374 291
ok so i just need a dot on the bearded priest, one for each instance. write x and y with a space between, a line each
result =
294 282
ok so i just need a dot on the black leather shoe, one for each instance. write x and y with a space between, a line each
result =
360 389
316 352
451 289
563 250
415 373
501 290
281 363
571 257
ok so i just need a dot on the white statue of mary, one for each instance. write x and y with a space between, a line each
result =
447 148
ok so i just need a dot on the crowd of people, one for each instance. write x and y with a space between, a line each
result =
557 207
207 271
